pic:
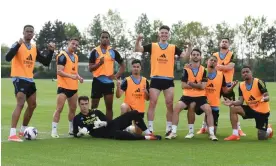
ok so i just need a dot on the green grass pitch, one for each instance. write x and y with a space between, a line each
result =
91 151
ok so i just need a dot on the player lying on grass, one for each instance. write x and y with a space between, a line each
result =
253 91
94 123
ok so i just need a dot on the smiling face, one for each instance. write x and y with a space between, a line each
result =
195 56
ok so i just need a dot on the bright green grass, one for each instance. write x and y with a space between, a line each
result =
89 151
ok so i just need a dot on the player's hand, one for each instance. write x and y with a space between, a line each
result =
20 41
83 130
98 123
102 60
140 37
219 67
80 78
74 76
227 102
51 46
188 65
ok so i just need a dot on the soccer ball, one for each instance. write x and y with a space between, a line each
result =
130 129
30 133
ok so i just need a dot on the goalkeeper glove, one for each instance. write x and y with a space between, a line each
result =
98 124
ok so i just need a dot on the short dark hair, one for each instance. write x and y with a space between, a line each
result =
105 32
227 38
85 98
26 26
74 38
246 67
196 49
165 27
136 61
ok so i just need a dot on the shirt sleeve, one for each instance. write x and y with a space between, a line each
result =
240 92
124 85
178 51
92 57
61 60
204 77
223 81
118 57
44 60
184 76
262 86
12 52
101 116
147 48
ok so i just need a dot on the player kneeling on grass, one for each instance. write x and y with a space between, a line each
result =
94 123
254 92
136 90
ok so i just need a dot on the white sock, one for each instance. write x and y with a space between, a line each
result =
23 128
191 128
13 131
204 125
169 126
150 125
147 131
54 127
147 137
70 127
239 126
269 130
236 132
174 128
211 130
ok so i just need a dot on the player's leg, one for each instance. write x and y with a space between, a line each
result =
216 117
243 111
96 93
169 95
204 127
61 98
210 120
154 94
20 94
124 135
265 130
108 93
125 108
31 101
72 103
191 120
180 105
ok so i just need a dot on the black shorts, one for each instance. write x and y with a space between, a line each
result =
161 84
260 119
200 101
100 89
68 92
215 113
26 87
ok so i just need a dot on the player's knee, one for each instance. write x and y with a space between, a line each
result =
262 135
33 105
20 105
153 101
169 103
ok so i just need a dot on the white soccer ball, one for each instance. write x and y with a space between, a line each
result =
130 129
30 133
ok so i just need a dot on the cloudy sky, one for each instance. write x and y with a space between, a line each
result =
81 12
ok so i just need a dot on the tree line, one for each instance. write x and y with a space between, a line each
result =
253 42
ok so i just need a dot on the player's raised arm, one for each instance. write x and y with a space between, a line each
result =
46 60
13 50
120 61
185 55
121 87
138 44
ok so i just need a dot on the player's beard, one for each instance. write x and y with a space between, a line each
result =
224 47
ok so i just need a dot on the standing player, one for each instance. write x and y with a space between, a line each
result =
101 63
23 55
136 90
95 123
67 82
253 91
193 85
215 85
227 66
162 72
